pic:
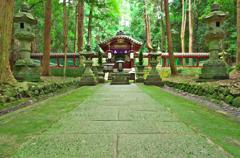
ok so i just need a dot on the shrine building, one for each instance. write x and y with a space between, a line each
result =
121 47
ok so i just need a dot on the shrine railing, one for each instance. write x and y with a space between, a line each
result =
195 58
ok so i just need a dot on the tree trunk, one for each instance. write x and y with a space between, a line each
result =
169 37
190 31
162 28
80 25
65 34
89 38
76 31
183 27
147 28
238 31
47 39
6 22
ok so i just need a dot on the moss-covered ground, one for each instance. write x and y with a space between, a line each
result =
220 129
20 126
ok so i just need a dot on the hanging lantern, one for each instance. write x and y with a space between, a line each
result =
132 55
109 55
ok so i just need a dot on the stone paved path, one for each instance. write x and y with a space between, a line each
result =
120 122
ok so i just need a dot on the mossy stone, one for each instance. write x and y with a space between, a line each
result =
236 102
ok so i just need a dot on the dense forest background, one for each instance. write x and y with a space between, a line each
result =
109 16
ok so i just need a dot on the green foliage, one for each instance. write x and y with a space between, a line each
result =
238 67
70 72
189 71
107 15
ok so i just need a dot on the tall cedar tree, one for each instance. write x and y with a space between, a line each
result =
89 37
147 27
190 16
6 22
183 26
80 24
47 39
238 31
65 34
169 37
163 37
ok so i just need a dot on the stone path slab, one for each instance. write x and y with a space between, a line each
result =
120 122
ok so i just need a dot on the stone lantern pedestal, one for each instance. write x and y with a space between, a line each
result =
100 74
153 77
214 68
25 69
140 74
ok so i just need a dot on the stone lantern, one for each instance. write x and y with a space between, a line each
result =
214 68
153 77
120 77
25 69
88 78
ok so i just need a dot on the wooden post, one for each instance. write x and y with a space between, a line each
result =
198 61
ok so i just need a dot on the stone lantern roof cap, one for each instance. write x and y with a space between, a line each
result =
24 15
216 13
120 61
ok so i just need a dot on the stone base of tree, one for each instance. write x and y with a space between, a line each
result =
214 70
120 78
30 73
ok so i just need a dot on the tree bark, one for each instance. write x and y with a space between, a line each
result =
80 25
147 28
76 30
163 37
6 22
183 27
190 30
169 37
47 39
89 37
238 32
65 34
